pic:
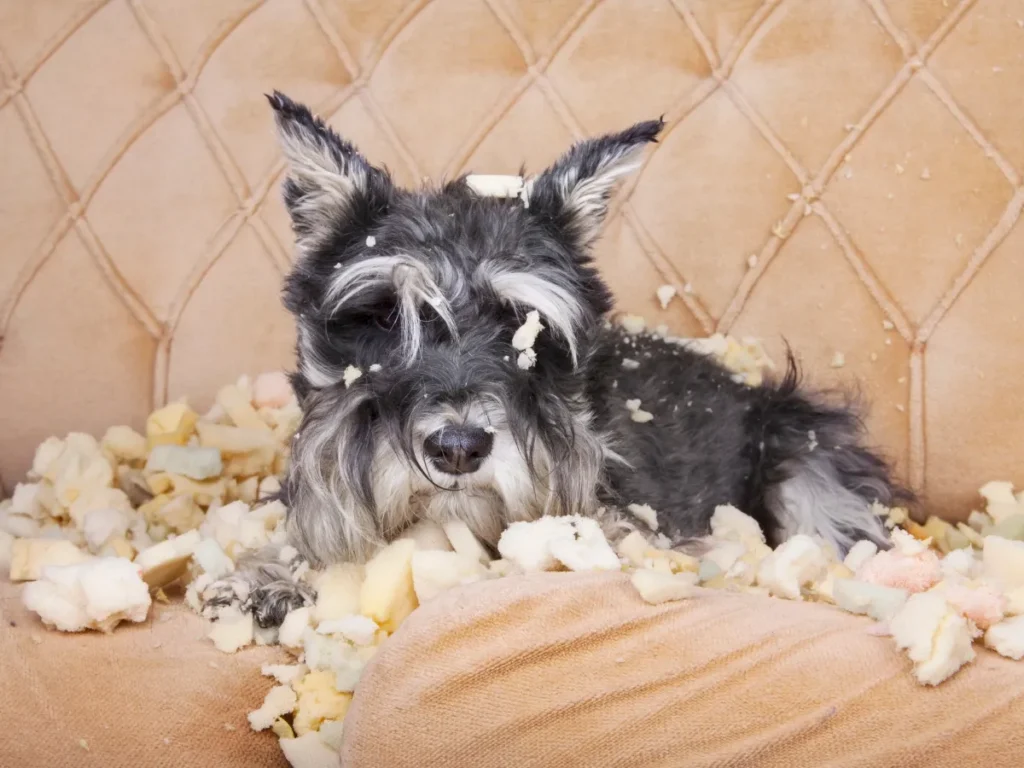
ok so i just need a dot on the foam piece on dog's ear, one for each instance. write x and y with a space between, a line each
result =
493 185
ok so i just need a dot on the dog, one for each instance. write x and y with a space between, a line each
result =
417 405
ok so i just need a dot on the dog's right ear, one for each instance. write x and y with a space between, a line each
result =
330 187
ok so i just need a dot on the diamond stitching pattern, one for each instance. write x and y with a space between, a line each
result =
359 39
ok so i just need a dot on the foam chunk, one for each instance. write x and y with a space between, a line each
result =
191 461
798 562
428 535
937 638
646 514
30 556
859 554
1007 638
318 701
280 700
293 628
1003 561
232 630
548 543
271 390
286 674
98 594
910 566
209 555
357 629
465 542
387 595
860 597
434 572
171 425
728 523
124 443
656 587
309 751
337 591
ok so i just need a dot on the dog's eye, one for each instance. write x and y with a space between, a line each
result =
383 322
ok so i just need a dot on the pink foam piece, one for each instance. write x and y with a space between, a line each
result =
982 605
892 568
271 390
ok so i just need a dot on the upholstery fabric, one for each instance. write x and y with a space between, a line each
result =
845 174
156 694
551 670
574 670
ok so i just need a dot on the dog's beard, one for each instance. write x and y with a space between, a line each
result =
355 485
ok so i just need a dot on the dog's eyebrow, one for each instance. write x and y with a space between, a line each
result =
556 303
410 280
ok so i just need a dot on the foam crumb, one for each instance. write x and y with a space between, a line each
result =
350 375
656 587
665 295
646 514
525 337
632 324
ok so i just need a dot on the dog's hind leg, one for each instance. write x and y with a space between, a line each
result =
814 473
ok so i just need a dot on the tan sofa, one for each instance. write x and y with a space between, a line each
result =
845 174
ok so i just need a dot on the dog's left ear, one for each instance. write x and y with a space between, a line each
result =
574 192
329 184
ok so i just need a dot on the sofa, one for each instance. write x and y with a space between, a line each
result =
844 176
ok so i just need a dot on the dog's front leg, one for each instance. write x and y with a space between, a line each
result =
269 583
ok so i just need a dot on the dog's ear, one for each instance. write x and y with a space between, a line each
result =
574 192
329 184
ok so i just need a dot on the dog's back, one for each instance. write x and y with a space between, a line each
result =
784 456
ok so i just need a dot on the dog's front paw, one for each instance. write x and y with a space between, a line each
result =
230 591
271 602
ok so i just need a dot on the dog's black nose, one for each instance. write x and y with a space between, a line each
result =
458 450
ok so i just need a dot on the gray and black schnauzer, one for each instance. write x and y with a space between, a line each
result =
422 291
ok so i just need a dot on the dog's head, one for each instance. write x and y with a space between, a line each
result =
419 399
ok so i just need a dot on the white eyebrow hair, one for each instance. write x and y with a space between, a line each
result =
556 304
412 283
